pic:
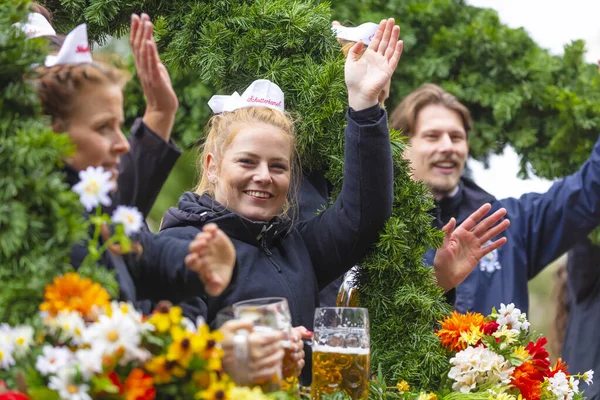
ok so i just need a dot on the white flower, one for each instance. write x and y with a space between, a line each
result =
89 361
53 359
559 385
94 187
22 338
511 316
574 384
117 332
478 365
130 217
66 387
67 325
7 347
588 377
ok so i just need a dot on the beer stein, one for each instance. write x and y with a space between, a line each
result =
341 352
268 314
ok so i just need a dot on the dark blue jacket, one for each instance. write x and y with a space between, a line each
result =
542 227
581 347
277 258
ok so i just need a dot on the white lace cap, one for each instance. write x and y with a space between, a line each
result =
75 49
362 32
37 25
260 93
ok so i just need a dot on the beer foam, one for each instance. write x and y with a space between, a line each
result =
341 350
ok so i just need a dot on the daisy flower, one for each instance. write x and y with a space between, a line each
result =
22 339
53 359
64 384
588 377
94 187
130 217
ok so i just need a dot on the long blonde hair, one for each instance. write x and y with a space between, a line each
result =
221 133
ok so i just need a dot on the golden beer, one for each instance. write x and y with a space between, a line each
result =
342 369
290 384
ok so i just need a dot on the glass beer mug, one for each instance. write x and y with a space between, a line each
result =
271 313
341 352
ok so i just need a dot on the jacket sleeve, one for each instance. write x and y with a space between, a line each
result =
549 224
340 236
160 272
145 168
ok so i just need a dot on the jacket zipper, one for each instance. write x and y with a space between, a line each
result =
269 254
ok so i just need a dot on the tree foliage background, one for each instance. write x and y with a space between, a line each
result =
546 107
40 217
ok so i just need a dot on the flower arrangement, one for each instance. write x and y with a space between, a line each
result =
85 346
498 358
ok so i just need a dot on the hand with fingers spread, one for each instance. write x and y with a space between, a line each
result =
264 352
212 257
368 75
464 246
161 100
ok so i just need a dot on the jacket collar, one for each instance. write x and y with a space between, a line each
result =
467 200
197 210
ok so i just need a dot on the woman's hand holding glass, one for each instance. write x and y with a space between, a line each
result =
264 352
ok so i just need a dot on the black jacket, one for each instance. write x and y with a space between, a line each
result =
295 262
159 274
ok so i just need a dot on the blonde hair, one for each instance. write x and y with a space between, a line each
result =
221 132
404 116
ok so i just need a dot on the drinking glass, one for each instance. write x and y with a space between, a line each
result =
341 352
271 313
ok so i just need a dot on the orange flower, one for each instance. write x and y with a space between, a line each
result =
456 328
560 366
528 379
139 386
70 292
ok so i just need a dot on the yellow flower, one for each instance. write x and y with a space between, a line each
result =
245 393
403 386
508 334
503 396
185 345
216 391
163 370
70 292
427 396
521 353
163 321
472 336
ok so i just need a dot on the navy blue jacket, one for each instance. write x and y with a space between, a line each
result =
581 347
542 227
277 258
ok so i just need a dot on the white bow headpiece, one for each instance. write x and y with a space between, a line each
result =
260 93
37 25
75 49
362 32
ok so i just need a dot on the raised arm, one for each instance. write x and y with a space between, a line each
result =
341 235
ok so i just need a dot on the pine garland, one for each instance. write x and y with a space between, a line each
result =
40 218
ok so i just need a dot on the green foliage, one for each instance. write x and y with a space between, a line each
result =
546 107
40 218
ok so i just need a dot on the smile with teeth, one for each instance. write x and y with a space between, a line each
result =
261 195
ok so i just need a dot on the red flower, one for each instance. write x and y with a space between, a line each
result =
560 366
13 396
539 355
137 386
528 380
490 327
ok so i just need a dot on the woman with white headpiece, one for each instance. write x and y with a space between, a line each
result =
248 166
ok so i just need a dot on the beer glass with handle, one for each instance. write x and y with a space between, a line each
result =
341 352
267 314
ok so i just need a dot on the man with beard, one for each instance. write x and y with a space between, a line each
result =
543 226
